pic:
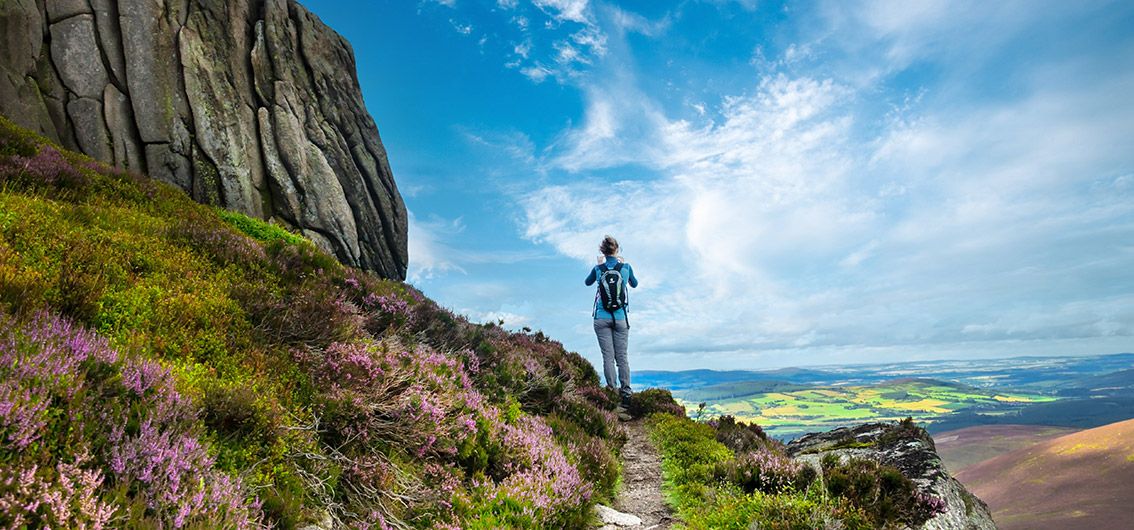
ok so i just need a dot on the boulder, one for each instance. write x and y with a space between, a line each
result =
909 449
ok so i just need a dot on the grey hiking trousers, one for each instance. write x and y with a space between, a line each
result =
613 336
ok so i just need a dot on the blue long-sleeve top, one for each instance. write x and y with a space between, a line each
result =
627 278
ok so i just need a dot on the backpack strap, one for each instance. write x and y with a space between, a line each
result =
626 307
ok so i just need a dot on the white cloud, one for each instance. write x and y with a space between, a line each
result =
833 210
800 222
437 247
463 29
565 10
428 252
509 319
629 21
536 73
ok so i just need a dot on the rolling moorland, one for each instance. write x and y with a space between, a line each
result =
962 448
168 364
1079 480
1074 392
1044 441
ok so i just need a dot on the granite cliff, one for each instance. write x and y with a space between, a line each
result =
252 105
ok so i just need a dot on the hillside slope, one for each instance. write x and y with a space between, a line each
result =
165 364
962 448
1082 480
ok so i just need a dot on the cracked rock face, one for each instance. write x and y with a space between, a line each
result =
914 454
252 105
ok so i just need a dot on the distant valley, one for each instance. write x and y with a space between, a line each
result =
1072 392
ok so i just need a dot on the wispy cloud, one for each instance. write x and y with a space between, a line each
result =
800 220
428 251
565 10
891 179
436 247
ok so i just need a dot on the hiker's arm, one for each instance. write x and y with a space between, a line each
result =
591 277
632 280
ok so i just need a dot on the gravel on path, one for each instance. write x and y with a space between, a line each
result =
641 492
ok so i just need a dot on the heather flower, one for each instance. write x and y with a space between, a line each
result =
36 363
217 241
47 166
931 504
382 391
66 497
763 470
390 310
540 473
176 470
51 370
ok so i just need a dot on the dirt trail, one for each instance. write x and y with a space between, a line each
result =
641 493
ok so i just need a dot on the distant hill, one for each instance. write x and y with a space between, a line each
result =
1120 383
1085 413
962 448
738 390
689 379
1030 374
1082 480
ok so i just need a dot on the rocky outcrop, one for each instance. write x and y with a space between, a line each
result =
253 105
911 450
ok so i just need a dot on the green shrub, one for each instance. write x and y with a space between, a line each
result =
733 510
739 436
689 452
15 141
237 410
260 230
588 417
765 470
653 400
707 495
886 497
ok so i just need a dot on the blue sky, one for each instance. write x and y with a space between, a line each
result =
794 183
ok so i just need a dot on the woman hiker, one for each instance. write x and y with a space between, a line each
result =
610 319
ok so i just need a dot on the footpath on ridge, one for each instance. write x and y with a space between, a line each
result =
641 493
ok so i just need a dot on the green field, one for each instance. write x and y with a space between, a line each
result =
786 410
